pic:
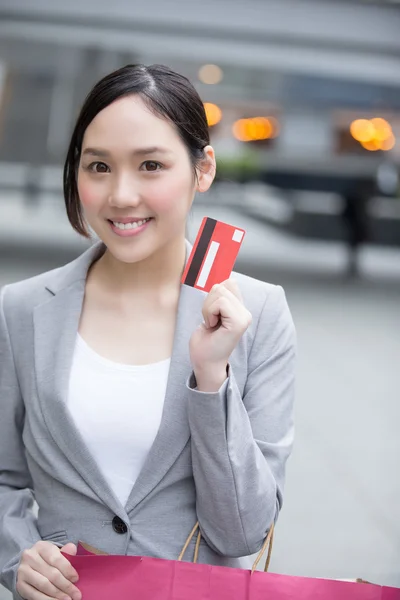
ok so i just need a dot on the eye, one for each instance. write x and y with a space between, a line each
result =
150 166
98 167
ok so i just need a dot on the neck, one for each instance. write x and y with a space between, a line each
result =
160 270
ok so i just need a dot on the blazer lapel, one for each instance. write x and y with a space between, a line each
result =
56 325
174 432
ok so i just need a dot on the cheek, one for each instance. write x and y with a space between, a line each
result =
171 195
89 194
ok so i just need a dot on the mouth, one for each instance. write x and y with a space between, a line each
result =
132 224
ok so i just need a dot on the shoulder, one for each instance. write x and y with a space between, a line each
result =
23 296
29 292
257 295
28 289
268 305
18 300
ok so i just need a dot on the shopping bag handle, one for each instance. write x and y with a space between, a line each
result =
196 550
267 544
269 541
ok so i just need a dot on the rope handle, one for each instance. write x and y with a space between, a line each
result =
191 535
267 544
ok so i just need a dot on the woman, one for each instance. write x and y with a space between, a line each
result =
132 406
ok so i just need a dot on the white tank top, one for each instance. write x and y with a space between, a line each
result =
117 409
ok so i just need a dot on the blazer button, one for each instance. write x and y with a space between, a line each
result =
119 526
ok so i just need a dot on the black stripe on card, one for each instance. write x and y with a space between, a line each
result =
200 252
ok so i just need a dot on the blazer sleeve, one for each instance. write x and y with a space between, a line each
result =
18 529
240 444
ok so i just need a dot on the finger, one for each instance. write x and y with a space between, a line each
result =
232 286
222 292
206 308
229 293
213 320
29 593
214 289
211 311
210 320
40 583
54 584
53 557
229 289
69 548
228 310
221 308
57 579
217 291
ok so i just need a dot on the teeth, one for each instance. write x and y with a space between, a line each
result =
134 225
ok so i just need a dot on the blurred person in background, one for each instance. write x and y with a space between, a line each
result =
132 406
355 219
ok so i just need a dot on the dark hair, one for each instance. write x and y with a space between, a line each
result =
166 93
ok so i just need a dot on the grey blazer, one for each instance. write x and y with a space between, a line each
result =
218 457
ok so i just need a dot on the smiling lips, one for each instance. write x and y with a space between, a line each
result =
128 226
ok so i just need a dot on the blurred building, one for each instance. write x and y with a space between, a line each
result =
301 94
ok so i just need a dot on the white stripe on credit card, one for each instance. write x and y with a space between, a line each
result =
208 263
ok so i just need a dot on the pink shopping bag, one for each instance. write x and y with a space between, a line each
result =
103 576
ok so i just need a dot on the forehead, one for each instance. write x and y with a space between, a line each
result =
129 119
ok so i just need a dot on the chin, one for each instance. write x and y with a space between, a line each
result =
129 255
130 251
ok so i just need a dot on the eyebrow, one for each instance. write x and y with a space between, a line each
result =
99 152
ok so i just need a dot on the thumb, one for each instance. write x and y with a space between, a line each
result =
70 548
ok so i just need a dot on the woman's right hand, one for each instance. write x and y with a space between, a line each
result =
45 574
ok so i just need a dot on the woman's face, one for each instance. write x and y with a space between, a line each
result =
135 180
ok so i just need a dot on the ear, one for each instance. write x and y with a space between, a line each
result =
206 170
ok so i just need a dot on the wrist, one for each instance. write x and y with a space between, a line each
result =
210 378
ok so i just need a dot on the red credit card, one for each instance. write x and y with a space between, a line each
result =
213 255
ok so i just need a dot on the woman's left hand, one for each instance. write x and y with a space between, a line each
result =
225 321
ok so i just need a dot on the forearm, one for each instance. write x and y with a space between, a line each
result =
235 487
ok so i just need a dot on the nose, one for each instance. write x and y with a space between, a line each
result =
124 193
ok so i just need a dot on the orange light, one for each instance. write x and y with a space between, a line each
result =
383 130
213 113
371 145
255 129
362 130
239 130
388 144
374 134
263 127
